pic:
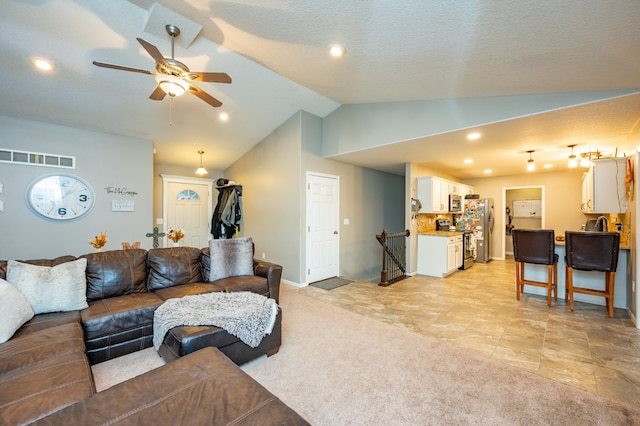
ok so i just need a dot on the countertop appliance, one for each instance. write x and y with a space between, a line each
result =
444 225
455 203
478 217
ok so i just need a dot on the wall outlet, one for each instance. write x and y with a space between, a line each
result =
619 226
264 256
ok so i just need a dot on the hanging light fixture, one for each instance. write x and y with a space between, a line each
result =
585 161
201 170
531 164
573 161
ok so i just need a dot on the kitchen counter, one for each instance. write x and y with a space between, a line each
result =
582 278
439 253
561 244
442 233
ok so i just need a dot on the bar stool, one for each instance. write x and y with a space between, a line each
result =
535 246
592 251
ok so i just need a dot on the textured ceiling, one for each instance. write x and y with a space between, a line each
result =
276 53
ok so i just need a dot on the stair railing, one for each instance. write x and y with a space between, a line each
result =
394 256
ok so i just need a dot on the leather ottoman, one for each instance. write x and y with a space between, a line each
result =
183 340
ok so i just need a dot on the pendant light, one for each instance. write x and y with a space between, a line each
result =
201 170
531 164
573 161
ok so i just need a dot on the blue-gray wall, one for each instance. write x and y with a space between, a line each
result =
273 176
103 160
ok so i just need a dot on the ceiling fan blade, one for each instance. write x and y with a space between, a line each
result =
204 95
157 94
210 77
119 67
153 51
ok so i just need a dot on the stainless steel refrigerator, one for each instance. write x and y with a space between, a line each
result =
478 216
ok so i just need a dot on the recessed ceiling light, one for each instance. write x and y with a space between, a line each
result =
337 51
42 64
223 116
473 136
548 166
488 171
468 161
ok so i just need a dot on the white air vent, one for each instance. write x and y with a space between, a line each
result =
37 159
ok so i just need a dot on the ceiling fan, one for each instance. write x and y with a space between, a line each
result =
173 78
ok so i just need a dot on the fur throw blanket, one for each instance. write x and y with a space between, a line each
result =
248 316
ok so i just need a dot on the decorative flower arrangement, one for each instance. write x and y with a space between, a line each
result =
175 235
99 240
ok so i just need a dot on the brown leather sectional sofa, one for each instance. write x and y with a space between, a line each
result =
46 365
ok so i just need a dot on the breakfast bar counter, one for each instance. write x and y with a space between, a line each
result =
582 278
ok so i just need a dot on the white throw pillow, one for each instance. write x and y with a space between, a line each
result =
15 310
230 258
57 288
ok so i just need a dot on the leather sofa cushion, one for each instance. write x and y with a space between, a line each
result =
116 273
115 315
38 346
42 321
38 262
186 290
43 372
43 388
173 266
203 388
252 283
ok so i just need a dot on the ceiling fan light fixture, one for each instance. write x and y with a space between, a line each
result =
201 170
172 85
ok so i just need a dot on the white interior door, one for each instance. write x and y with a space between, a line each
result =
323 239
187 205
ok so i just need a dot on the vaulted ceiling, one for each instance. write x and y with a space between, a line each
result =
276 52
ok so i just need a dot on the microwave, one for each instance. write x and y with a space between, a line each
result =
455 203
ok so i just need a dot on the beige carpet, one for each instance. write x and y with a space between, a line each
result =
339 368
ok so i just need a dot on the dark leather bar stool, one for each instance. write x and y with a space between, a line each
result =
592 251
535 246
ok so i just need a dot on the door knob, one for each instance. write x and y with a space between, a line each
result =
335 232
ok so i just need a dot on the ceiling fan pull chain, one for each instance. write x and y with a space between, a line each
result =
170 110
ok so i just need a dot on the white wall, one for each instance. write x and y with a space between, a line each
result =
103 160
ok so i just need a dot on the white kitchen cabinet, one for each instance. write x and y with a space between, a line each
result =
465 190
433 193
603 187
439 255
586 204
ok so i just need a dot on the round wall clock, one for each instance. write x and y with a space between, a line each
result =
60 197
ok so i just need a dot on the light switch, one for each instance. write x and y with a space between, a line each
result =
1 187
1 206
345 222
159 221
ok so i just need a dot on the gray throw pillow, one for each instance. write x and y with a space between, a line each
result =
231 258
57 288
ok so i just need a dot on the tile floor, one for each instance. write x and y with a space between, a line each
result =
476 309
